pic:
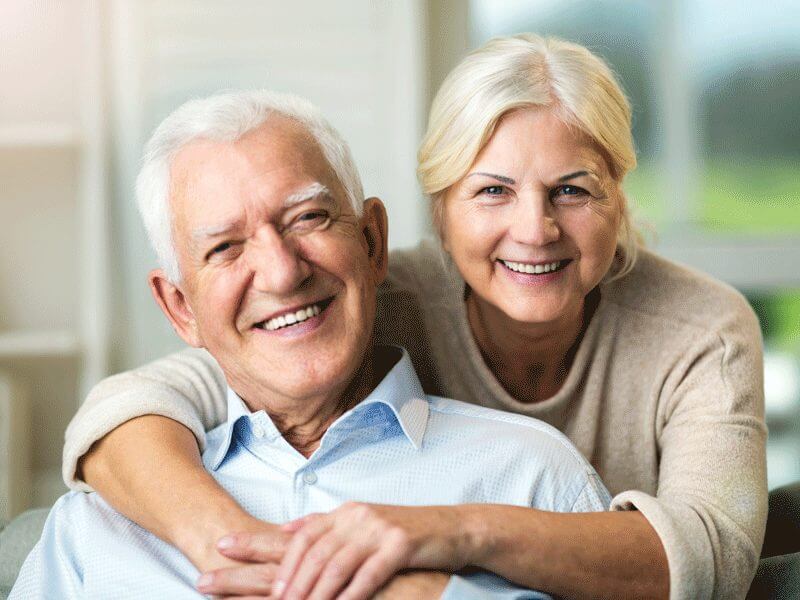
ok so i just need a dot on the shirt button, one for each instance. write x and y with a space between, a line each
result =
258 432
309 477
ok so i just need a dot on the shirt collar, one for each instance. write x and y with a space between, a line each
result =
237 410
400 390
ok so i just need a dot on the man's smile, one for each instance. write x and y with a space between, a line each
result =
293 316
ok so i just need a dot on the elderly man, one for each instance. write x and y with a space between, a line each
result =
270 261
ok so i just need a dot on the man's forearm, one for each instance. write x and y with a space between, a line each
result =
574 555
150 470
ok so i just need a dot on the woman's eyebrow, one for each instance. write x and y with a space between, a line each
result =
569 176
500 178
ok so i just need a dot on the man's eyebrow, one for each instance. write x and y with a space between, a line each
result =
312 191
212 231
500 178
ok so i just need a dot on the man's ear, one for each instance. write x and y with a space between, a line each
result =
376 231
173 304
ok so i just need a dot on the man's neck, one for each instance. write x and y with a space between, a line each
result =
303 422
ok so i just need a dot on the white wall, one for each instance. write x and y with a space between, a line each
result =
361 61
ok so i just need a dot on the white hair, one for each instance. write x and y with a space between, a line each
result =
227 117
527 70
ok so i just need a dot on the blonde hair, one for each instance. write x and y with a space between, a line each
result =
527 70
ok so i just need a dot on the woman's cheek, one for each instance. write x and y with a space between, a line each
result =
483 226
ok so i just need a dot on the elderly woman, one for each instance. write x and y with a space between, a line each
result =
538 301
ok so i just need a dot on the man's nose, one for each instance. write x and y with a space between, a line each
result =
534 221
276 263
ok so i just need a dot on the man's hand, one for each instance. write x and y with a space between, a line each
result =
353 551
248 573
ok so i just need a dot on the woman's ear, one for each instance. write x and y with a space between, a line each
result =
375 229
172 301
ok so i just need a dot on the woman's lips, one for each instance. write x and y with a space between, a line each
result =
534 273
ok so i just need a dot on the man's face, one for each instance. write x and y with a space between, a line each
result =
278 273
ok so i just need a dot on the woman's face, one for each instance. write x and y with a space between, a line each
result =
532 226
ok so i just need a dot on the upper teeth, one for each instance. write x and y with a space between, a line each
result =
292 317
526 268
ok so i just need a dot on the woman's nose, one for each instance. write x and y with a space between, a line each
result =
277 264
533 221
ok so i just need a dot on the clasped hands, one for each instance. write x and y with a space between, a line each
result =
351 553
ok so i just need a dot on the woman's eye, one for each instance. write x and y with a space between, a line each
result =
568 192
493 190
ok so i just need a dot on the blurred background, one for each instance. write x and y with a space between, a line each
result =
715 88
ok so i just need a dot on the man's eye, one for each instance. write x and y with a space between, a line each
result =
313 215
219 249
312 219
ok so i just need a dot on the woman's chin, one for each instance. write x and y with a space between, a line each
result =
537 312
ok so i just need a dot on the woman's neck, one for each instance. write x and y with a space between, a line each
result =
530 360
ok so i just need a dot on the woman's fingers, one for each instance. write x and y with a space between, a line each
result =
262 547
316 560
254 579
297 524
297 548
338 572
372 575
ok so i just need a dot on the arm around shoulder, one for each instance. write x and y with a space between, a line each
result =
187 387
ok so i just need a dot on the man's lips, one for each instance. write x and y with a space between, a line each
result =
287 317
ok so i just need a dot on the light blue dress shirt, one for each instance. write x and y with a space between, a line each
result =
398 446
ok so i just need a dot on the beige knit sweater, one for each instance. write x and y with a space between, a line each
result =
665 398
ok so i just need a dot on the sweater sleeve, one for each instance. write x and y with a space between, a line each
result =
188 387
711 506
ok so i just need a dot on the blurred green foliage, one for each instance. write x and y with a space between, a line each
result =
779 315
749 196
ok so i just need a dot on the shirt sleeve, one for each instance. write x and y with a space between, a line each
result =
711 505
188 387
483 585
594 496
51 570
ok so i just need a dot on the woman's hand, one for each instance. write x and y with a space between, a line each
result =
349 553
250 572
